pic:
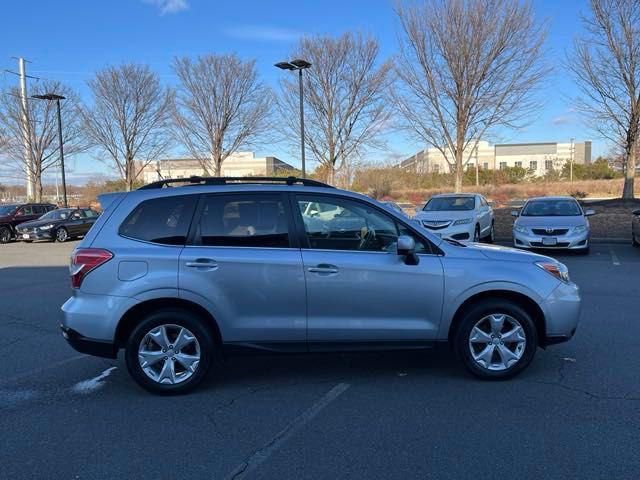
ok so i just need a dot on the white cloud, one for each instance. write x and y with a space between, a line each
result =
268 34
562 120
169 6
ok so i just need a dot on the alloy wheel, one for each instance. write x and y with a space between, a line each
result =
61 235
169 354
5 235
497 342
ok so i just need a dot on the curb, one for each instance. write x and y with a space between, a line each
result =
591 240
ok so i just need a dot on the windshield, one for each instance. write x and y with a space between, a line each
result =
551 208
450 204
7 209
56 215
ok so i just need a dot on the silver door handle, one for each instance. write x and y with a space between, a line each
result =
323 269
210 264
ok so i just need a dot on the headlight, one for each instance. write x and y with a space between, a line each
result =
557 269
463 221
580 229
46 227
520 229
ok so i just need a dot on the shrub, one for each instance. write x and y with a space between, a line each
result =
579 194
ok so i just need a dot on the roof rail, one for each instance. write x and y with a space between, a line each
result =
234 180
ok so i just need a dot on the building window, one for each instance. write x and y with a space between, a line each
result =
485 166
533 165
503 165
548 165
519 164
436 168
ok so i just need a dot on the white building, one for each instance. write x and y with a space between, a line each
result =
239 164
539 158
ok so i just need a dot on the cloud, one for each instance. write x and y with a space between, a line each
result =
267 34
169 6
562 120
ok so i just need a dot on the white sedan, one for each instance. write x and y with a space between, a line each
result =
459 216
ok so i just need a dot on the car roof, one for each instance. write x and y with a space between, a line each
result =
565 197
443 195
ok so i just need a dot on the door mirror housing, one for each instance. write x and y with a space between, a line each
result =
589 213
515 213
406 247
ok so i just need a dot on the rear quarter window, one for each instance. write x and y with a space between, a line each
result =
161 220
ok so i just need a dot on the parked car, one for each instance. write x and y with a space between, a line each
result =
552 222
394 206
58 225
635 228
176 276
16 213
460 216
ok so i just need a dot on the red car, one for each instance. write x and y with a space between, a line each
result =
16 213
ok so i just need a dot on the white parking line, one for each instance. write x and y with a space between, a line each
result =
93 384
264 452
614 257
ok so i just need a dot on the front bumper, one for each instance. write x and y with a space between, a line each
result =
34 235
569 241
456 232
562 312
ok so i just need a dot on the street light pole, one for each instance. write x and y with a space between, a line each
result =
298 65
571 162
57 98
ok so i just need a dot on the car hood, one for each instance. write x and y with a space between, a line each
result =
569 221
444 215
498 252
39 223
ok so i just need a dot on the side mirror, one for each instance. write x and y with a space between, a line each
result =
418 208
515 213
589 213
406 247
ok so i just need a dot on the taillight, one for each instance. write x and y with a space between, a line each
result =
83 260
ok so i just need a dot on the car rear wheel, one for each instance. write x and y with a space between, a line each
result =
169 352
5 235
62 235
497 339
634 242
492 234
476 234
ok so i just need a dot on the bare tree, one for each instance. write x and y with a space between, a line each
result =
467 67
221 106
43 140
129 120
346 111
606 67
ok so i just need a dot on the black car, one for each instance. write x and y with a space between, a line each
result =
58 225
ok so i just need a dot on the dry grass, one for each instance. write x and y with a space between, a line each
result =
502 194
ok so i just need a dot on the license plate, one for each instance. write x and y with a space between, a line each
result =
25 235
549 241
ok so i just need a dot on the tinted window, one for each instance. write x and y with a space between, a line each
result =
339 224
551 208
161 220
26 210
243 221
450 204
7 209
77 214
90 213
39 209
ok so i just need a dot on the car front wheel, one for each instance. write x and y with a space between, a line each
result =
496 339
169 352
5 235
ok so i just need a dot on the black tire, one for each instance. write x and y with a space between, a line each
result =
182 318
584 251
61 235
478 311
476 235
491 237
634 242
28 241
5 235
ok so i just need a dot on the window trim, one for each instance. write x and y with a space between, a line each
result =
293 238
302 234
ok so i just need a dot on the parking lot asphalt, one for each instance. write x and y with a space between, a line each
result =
574 413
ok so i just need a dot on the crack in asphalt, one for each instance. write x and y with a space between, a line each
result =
592 395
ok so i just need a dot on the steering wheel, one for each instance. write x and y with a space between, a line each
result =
366 235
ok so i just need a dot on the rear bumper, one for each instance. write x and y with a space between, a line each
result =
98 348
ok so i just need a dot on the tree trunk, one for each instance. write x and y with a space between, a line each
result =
217 166
129 175
630 172
37 188
331 173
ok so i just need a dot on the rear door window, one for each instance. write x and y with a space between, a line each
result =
163 220
240 220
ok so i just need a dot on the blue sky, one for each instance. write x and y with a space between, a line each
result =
69 40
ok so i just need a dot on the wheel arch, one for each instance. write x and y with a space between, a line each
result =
524 301
132 316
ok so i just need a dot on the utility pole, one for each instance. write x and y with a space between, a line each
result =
26 129
571 161
477 168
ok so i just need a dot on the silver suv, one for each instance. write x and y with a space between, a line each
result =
178 276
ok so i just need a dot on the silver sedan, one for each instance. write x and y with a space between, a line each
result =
552 222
